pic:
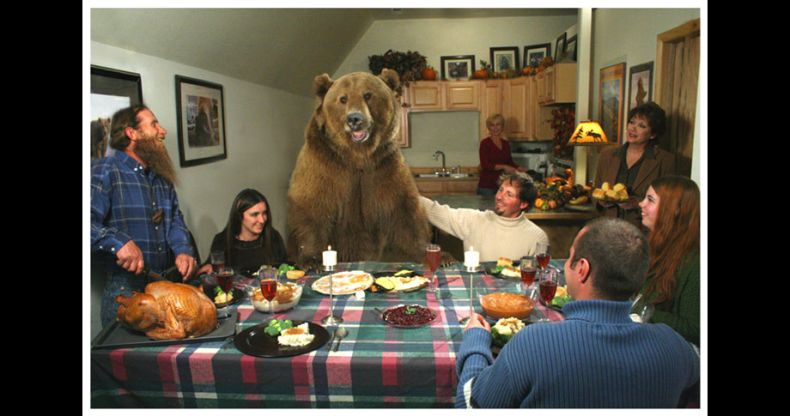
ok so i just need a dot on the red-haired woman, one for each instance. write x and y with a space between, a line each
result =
671 213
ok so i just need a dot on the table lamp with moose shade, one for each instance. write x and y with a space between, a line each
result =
588 133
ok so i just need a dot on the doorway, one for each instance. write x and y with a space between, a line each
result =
677 77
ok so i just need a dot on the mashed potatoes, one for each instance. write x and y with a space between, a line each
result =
298 336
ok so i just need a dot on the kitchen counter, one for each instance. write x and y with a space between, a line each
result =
482 203
561 225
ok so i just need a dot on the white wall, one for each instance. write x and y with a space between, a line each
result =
264 128
629 35
454 133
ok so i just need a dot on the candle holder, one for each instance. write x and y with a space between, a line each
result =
472 270
331 319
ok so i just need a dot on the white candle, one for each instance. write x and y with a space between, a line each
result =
471 257
330 256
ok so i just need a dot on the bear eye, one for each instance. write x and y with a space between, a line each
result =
367 96
343 99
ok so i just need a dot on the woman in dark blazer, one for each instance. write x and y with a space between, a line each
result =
636 163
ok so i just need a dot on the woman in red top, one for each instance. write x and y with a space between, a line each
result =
495 157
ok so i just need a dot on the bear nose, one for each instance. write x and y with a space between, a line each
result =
354 119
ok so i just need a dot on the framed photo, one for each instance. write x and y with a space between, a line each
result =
640 84
111 90
458 67
570 48
610 104
201 121
504 58
559 47
533 54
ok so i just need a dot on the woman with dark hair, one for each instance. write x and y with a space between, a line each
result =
249 240
637 162
670 211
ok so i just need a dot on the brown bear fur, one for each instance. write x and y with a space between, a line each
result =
351 188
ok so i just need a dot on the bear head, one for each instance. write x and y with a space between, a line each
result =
359 112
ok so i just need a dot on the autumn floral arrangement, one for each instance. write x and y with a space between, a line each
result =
408 65
563 121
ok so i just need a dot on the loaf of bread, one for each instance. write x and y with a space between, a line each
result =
504 261
505 304
294 274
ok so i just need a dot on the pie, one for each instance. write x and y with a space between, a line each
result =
344 283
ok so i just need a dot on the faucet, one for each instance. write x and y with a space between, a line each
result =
436 155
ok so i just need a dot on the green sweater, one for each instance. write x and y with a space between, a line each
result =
681 311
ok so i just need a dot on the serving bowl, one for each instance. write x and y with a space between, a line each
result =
288 296
506 304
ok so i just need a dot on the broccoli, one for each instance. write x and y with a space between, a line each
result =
276 326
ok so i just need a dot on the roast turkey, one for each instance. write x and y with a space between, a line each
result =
168 310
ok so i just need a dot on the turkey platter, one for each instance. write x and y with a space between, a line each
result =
168 310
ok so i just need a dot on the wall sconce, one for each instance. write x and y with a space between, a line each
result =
588 133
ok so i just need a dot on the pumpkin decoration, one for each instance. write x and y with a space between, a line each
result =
484 70
429 74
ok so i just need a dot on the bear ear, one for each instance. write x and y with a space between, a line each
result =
391 78
321 85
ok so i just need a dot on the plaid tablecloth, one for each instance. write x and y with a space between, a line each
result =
377 365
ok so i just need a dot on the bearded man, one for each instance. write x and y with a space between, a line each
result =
136 222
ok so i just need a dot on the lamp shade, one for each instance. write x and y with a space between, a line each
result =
588 133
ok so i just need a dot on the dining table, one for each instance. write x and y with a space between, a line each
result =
376 365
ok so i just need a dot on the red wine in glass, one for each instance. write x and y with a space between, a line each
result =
547 290
225 280
269 291
528 275
433 255
543 260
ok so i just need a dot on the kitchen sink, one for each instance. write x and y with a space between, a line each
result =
446 175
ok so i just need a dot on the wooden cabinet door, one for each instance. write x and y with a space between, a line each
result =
402 138
462 95
460 187
490 103
515 108
426 96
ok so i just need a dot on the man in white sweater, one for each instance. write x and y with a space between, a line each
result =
504 232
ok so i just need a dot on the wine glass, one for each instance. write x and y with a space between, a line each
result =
549 278
225 282
217 261
542 255
269 286
641 309
433 255
528 270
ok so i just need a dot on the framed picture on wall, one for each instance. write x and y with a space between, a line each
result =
201 121
458 67
570 49
559 46
111 90
610 100
640 84
505 58
533 54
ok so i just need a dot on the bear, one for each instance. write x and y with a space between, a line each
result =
351 187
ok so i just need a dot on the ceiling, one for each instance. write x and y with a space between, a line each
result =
263 46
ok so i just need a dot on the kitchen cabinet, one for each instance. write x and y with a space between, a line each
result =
516 100
446 186
444 95
557 84
402 138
